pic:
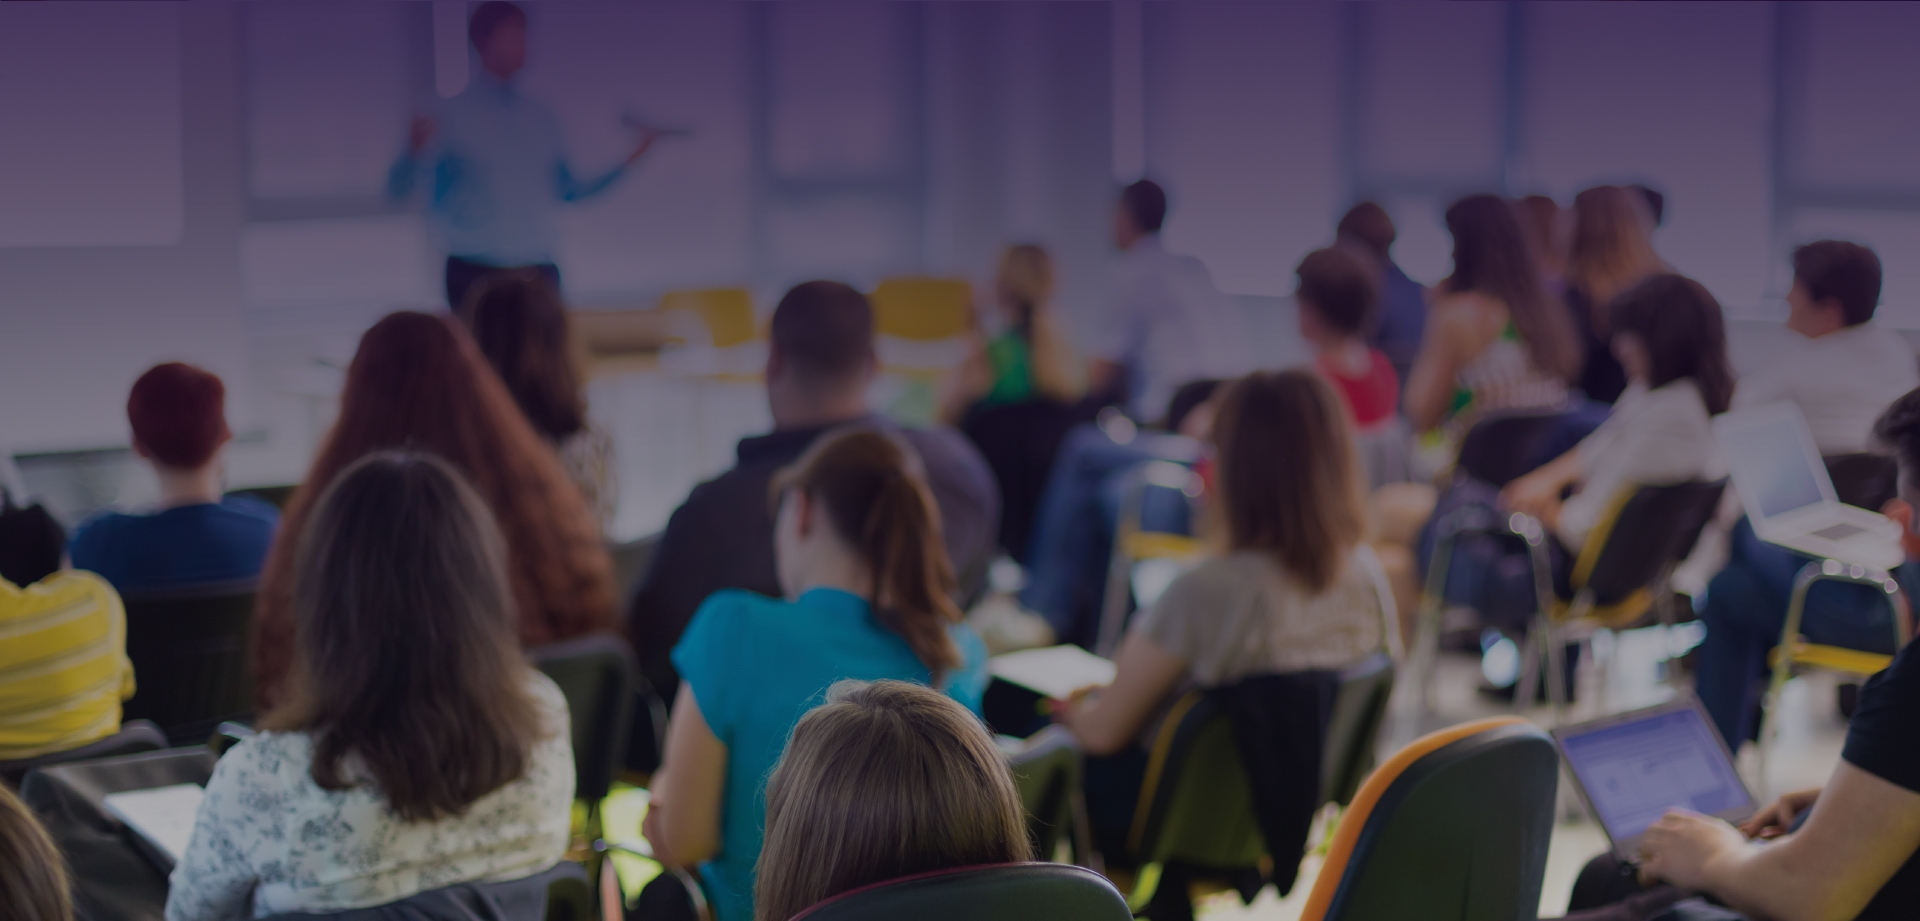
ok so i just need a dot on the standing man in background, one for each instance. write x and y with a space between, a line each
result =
494 163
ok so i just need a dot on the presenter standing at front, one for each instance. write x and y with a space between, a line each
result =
493 163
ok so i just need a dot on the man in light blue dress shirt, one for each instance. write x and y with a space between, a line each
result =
494 165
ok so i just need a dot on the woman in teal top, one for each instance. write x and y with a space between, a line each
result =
856 524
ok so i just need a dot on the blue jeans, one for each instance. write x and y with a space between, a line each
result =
1079 512
1744 610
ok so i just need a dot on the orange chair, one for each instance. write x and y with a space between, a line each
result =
1454 826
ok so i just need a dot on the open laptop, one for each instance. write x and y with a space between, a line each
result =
1790 499
1632 767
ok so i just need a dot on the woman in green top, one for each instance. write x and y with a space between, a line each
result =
1028 360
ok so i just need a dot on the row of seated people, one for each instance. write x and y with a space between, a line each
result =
400 555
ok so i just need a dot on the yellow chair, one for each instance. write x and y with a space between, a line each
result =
923 309
727 312
1794 652
1133 545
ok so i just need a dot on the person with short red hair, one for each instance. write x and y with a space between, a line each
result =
196 536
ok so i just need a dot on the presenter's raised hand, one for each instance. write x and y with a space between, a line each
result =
421 133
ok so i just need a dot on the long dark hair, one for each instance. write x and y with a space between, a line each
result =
1492 256
877 502
884 780
406 663
521 327
1680 323
1289 473
418 383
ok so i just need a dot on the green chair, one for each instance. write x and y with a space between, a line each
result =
1454 827
190 652
1359 711
1047 772
1196 808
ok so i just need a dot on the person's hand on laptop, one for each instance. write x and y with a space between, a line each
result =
1777 817
1684 844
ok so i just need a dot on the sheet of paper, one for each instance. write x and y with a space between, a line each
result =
162 815
1055 671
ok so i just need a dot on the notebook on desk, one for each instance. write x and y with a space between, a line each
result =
1790 499
160 818
1633 767
1052 671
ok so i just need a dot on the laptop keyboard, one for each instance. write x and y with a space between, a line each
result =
1838 531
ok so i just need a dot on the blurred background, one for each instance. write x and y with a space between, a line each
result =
206 181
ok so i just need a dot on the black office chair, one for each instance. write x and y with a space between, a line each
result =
1504 446
113 877
630 562
134 737
275 496
601 682
560 893
1359 710
1863 480
1454 827
1622 573
1003 892
189 648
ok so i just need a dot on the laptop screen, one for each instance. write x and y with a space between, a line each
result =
1770 465
1634 771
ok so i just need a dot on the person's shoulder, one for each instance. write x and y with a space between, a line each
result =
248 507
66 587
266 760
98 532
549 698
735 609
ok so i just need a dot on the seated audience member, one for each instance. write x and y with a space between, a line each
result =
1337 299
1845 369
63 635
1612 250
819 366
520 326
867 595
1845 373
884 780
33 874
1403 302
1669 336
1168 326
1670 340
1296 588
1851 849
1494 339
418 383
414 747
179 426
1016 395
1029 358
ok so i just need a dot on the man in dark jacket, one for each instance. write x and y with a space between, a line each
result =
819 366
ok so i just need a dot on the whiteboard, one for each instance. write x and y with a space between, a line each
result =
90 97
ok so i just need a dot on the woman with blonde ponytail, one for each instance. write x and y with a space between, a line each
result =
868 596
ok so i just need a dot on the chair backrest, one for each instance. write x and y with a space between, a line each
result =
1865 480
1654 527
630 562
1454 826
1046 771
1503 446
1003 892
727 312
560 893
113 877
134 737
598 675
275 496
1359 710
924 309
1196 804
189 649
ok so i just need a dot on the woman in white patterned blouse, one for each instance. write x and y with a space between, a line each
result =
416 748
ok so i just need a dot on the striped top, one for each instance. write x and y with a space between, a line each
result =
1503 376
63 664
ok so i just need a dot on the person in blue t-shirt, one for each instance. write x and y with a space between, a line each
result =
179 426
868 596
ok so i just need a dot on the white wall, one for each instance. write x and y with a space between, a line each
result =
78 324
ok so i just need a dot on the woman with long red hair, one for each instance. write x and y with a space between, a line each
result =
418 383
